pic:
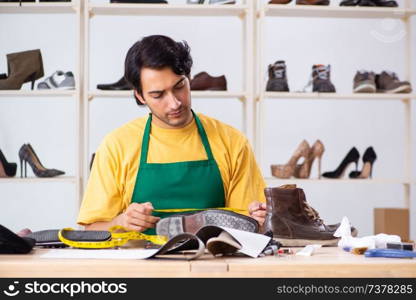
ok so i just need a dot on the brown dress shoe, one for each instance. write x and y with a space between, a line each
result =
292 221
203 82
313 2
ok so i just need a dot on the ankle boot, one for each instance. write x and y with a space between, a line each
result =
292 221
22 67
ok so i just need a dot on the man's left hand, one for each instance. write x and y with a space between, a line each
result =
257 211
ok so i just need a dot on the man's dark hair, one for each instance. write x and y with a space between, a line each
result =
156 52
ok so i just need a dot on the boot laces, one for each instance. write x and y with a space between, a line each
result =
312 213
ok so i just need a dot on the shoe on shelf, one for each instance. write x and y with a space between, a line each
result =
369 158
293 221
279 1
364 82
59 80
352 157
223 244
92 160
304 170
321 79
7 169
121 85
192 222
388 82
349 2
277 77
139 1
312 2
28 155
379 3
287 170
203 82
22 67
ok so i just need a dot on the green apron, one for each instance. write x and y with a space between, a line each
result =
187 184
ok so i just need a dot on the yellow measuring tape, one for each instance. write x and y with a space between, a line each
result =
120 236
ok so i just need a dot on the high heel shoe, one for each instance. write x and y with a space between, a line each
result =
352 157
369 158
22 67
28 155
7 169
304 170
287 170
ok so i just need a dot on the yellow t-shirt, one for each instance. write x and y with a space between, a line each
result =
113 174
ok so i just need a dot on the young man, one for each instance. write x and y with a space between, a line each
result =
171 159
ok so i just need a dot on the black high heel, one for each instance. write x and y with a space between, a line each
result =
28 155
7 169
352 157
368 160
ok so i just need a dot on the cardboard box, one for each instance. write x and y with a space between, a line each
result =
392 221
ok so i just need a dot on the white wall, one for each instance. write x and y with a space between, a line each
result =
348 45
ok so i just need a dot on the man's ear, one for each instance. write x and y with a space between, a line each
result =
139 97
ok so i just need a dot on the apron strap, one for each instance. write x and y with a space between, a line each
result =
146 138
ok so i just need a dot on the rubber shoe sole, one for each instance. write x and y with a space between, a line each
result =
178 224
303 242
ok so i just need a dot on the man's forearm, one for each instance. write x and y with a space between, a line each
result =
102 225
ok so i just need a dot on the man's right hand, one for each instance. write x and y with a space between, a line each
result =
137 217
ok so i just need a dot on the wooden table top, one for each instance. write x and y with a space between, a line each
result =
326 262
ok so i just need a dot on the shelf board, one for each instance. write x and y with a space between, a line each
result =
195 94
278 181
167 10
37 93
281 10
337 96
32 7
60 179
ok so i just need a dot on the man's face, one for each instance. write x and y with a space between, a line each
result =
168 97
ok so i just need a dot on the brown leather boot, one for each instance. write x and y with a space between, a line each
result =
22 67
203 82
292 221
